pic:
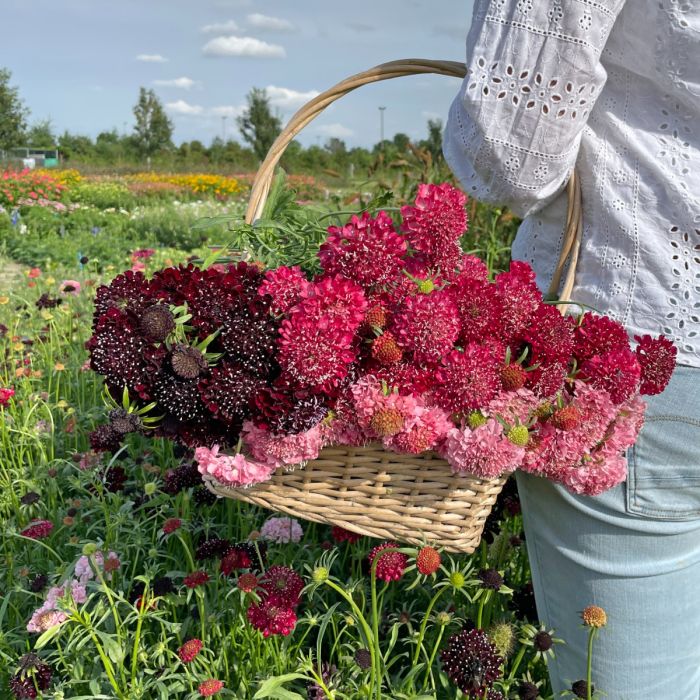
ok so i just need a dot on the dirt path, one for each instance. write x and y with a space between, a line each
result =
10 273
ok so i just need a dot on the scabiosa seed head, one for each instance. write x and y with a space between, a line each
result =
320 574
210 687
580 689
386 350
363 658
390 565
122 422
457 579
157 323
471 662
543 641
594 616
428 561
502 635
377 316
248 582
387 422
528 691
475 419
189 650
518 435
490 579
512 377
187 362
566 418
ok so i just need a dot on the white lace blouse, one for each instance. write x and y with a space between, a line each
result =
613 89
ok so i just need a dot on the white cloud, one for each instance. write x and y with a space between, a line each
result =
226 111
432 115
183 83
220 27
270 24
242 46
335 131
151 58
284 98
184 108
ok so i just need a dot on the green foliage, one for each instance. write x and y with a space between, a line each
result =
258 126
13 113
103 195
153 130
40 135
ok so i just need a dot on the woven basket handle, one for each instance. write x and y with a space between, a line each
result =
398 69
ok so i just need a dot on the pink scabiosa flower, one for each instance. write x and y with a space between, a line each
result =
281 530
282 450
382 413
657 359
428 325
189 651
616 371
430 427
390 565
5 395
196 579
285 285
70 287
367 250
229 470
44 619
38 529
271 618
436 217
513 406
210 687
485 451
468 380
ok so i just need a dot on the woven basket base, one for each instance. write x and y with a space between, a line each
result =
410 498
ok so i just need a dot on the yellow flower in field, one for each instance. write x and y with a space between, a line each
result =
18 347
50 280
59 367
47 315
37 373
62 404
4 300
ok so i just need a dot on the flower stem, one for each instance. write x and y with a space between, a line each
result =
591 637
516 662
423 624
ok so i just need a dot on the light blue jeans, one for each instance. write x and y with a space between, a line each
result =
635 552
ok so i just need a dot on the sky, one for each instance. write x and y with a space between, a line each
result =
80 63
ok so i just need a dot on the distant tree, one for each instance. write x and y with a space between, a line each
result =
76 146
40 135
153 130
336 146
434 141
401 142
13 113
257 124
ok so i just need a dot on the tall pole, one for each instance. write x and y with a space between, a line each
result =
381 127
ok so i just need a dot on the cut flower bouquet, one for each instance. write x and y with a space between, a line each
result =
401 339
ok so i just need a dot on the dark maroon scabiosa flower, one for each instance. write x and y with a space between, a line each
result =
542 641
524 602
30 498
114 478
657 359
248 335
156 323
315 691
528 691
182 477
471 662
212 548
104 439
494 694
229 391
38 583
363 658
32 673
283 585
210 687
189 651
47 302
580 689
340 534
305 412
130 290
180 397
490 579
271 618
390 565
237 557
428 561
196 579
162 585
202 496
38 529
171 525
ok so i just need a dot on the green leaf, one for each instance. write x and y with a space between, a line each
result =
47 636
271 687
112 647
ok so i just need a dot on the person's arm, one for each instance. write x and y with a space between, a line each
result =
533 75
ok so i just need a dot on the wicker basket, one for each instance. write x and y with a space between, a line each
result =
368 490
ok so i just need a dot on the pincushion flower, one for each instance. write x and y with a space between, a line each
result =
189 651
390 565
210 687
367 250
6 394
281 530
282 585
38 529
471 662
657 360
231 470
335 298
513 406
271 618
70 287
520 296
282 450
428 428
285 285
616 371
480 308
595 335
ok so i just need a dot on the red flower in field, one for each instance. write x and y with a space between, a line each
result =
657 358
189 650
283 585
34 273
235 558
171 524
428 561
210 687
38 529
248 582
270 617
391 565
340 534
5 396
198 578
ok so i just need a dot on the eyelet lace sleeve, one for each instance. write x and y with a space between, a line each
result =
533 75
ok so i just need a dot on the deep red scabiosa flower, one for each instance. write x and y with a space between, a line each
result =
335 298
235 558
284 285
386 350
210 687
547 379
5 395
616 371
471 662
189 650
340 534
283 585
437 216
367 250
171 525
33 673
390 565
520 298
428 325
550 336
657 359
428 561
195 579
271 618
248 582
596 335
468 380
38 529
